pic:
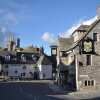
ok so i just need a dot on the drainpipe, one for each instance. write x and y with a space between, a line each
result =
76 69
58 68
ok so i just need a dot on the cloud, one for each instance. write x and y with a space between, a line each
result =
75 26
90 21
69 31
49 37
7 20
11 14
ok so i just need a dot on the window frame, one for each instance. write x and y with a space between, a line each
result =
23 58
95 37
7 57
88 60
89 83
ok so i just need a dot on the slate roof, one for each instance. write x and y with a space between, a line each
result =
31 49
84 35
15 57
64 43
83 28
44 60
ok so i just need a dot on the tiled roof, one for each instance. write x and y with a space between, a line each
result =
64 43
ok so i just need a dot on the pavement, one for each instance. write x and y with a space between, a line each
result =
78 95
56 88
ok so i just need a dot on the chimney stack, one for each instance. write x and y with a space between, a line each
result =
11 43
18 43
98 12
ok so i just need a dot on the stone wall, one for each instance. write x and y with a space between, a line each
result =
89 73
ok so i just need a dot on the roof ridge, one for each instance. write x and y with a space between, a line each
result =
90 28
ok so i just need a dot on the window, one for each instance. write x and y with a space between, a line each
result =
30 73
95 36
37 49
23 74
86 83
7 57
33 55
63 54
34 58
23 57
16 71
88 59
54 52
80 63
92 82
89 83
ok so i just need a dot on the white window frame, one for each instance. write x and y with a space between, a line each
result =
23 57
7 57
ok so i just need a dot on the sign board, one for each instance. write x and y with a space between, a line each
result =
87 46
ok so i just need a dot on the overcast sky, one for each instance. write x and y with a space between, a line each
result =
40 22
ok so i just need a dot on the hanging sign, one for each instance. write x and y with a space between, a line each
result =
87 46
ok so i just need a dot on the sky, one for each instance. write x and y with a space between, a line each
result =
41 22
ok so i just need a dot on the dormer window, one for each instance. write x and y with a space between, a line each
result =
34 58
95 36
7 57
23 58
54 51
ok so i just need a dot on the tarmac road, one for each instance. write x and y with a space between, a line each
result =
35 90
41 90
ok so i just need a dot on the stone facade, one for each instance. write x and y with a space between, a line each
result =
22 63
81 58
88 75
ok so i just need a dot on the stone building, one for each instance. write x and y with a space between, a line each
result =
79 57
18 62
45 67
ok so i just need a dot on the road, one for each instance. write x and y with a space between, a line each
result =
35 90
40 90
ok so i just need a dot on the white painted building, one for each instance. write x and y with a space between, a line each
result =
45 67
21 70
